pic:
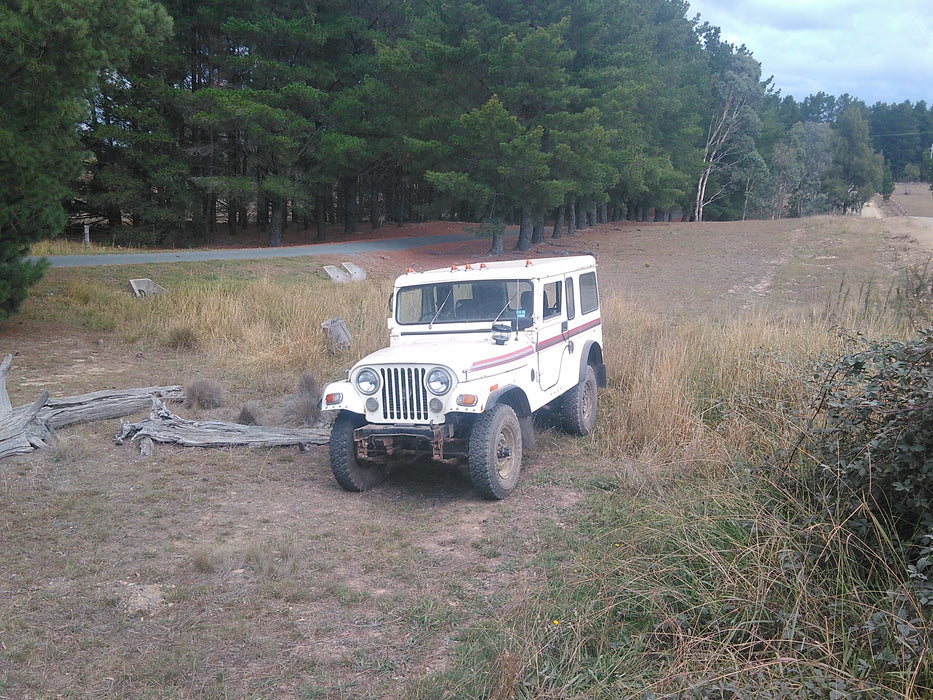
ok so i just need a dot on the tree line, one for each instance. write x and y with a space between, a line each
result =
163 122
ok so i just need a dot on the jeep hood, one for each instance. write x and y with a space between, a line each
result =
470 357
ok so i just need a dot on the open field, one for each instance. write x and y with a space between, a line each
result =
238 573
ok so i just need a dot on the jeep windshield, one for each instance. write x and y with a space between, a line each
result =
464 302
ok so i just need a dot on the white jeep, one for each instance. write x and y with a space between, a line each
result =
474 351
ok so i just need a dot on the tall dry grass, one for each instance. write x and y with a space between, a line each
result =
264 330
274 326
692 570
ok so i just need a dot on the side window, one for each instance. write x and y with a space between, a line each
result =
571 307
552 299
589 296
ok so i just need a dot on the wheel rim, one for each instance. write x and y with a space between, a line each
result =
506 444
588 401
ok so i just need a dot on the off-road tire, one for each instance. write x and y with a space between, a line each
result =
496 452
578 407
350 473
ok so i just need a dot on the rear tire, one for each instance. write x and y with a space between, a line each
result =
496 452
349 472
578 407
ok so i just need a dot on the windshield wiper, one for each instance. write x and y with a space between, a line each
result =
508 303
440 308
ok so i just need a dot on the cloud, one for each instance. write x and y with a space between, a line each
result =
872 51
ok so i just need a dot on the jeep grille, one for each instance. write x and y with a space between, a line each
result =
404 396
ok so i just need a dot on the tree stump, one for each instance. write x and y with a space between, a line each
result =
338 334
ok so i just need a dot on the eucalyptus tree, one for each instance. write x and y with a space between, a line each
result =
901 132
734 123
856 172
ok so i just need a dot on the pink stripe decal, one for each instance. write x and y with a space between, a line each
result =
502 359
545 344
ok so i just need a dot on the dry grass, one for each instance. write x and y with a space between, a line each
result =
272 327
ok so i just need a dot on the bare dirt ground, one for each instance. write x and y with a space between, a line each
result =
249 573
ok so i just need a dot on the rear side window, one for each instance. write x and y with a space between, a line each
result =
589 296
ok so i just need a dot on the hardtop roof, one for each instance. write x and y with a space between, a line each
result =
534 268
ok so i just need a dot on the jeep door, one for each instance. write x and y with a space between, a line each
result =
553 339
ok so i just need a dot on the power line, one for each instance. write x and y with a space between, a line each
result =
906 133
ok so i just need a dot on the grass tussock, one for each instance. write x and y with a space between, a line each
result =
182 338
69 450
204 393
270 325
64 246
249 414
303 407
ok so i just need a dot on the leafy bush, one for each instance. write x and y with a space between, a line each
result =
874 445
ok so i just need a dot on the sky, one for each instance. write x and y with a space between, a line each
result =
874 50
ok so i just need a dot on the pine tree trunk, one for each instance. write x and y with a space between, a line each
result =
559 221
349 207
375 217
498 244
537 229
275 224
320 215
572 220
524 232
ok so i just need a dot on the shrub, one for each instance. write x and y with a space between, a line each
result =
203 393
182 338
303 408
249 414
874 447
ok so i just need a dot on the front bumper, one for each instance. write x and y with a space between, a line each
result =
439 442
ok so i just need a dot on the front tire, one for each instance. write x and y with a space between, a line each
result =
578 408
496 452
349 472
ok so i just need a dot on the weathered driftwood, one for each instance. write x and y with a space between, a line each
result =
25 428
20 429
104 405
5 404
165 427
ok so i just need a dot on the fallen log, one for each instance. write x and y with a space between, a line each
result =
25 428
165 427
20 431
5 405
104 405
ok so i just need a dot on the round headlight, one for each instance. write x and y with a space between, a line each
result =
367 381
439 381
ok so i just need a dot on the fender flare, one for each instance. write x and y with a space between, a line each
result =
520 404
592 354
